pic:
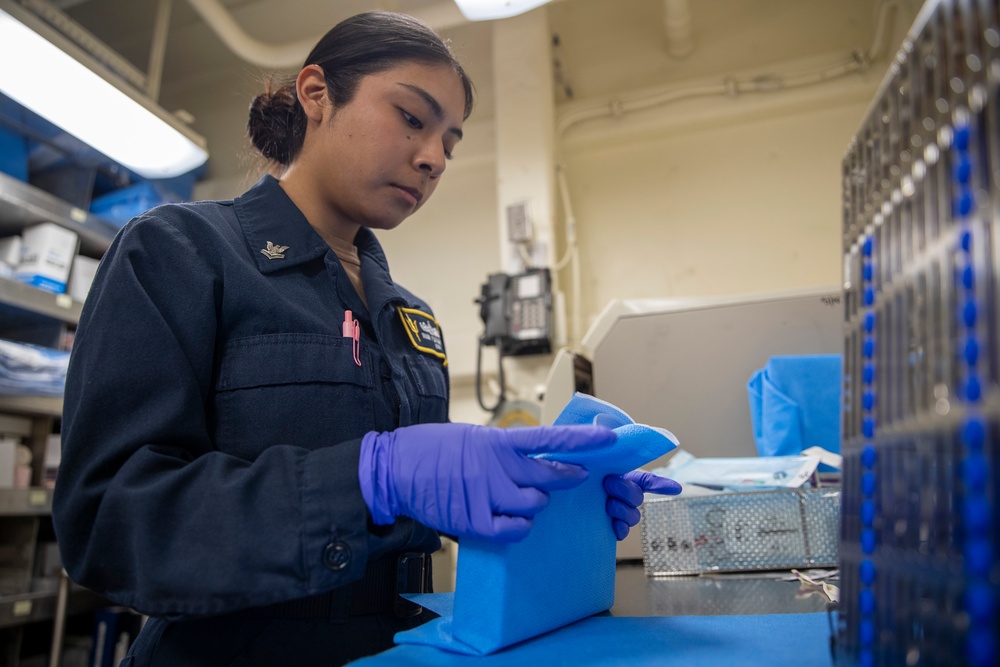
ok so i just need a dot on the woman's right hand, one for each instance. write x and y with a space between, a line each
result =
464 479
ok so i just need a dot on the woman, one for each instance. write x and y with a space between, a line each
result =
256 451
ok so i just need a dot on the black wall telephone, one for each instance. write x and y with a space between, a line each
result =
517 312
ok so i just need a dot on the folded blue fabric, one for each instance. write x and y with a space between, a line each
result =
564 570
702 641
32 369
795 403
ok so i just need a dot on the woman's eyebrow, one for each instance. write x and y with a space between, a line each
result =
435 106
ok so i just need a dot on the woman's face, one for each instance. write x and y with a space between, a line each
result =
377 159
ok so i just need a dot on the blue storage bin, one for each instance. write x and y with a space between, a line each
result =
13 146
122 205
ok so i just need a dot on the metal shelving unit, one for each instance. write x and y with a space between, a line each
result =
24 297
35 406
42 606
25 502
22 204
29 593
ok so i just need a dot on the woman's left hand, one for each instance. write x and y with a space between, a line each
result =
625 493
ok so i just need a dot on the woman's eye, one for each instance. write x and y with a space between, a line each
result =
412 121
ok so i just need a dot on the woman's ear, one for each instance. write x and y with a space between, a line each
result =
310 86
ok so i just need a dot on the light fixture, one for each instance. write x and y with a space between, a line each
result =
51 76
486 10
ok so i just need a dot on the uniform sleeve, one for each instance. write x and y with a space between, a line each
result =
146 512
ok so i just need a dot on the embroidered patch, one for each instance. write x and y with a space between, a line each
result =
423 332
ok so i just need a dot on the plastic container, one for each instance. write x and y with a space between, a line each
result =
13 146
122 205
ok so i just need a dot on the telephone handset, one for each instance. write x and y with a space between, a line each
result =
517 312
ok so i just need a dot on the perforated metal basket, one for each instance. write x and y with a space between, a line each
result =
732 532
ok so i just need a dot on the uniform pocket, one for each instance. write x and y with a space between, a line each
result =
279 359
430 382
301 389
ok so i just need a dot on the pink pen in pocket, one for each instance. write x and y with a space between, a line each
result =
352 329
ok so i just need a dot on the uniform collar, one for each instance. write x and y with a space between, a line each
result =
379 286
268 215
279 235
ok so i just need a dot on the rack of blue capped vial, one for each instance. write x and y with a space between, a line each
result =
921 432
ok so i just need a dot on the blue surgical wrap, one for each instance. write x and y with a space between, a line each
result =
563 571
795 404
704 641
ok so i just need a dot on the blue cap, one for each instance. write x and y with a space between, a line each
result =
975 472
976 514
868 541
960 139
969 313
868 484
867 571
974 433
971 351
869 457
866 602
978 557
867 516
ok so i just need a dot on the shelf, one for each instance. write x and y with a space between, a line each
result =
35 501
57 306
39 406
41 606
23 204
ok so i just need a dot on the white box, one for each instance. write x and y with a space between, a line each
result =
10 251
47 252
81 277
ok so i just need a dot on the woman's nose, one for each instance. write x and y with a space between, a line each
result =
431 159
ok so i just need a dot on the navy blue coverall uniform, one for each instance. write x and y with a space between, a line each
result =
211 434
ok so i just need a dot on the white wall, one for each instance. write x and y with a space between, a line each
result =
709 196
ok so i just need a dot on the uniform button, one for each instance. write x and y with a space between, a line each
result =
337 555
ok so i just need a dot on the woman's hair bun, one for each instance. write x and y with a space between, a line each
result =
272 125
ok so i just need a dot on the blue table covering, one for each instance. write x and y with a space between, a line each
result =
766 640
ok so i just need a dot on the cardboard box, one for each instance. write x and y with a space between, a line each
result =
82 277
47 252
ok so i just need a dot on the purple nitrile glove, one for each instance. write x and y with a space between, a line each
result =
625 493
463 479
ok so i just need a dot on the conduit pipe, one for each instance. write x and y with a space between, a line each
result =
440 16
731 87
680 32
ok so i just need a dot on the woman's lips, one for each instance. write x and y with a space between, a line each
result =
412 194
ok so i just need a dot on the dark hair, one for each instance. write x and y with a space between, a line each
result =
354 48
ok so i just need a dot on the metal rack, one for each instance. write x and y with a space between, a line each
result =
921 429
22 204
30 314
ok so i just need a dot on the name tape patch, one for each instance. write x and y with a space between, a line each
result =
423 331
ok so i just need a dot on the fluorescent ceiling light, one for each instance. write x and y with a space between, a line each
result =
486 10
58 87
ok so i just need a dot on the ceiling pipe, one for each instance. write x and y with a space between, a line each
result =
440 16
679 27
